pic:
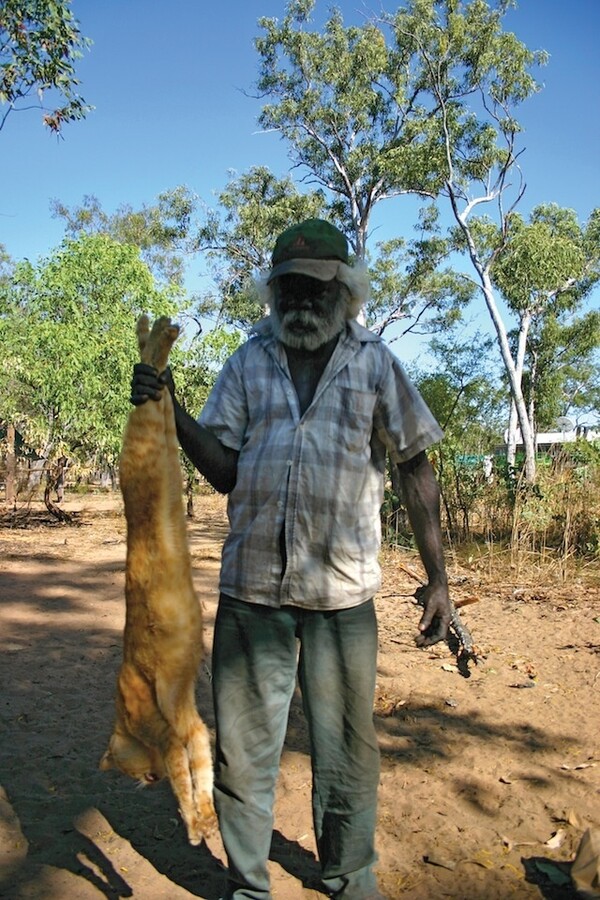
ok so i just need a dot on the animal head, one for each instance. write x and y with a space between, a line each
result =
132 758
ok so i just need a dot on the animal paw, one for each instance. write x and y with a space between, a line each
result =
204 822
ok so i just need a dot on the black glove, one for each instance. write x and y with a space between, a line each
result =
147 384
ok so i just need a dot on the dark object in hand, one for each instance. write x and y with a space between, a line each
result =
459 635
147 384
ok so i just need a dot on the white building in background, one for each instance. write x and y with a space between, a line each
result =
569 433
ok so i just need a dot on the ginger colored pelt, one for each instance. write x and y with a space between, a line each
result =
158 731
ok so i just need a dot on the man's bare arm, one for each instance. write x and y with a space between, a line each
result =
213 459
421 495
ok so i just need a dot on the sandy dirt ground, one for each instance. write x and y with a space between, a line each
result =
487 782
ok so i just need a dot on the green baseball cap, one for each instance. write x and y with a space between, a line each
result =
314 247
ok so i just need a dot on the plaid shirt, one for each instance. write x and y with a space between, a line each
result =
319 476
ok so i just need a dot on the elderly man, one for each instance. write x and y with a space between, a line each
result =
296 431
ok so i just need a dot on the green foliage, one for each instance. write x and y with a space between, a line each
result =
553 525
68 334
471 76
546 270
410 290
544 262
164 232
419 101
257 207
348 110
390 107
463 392
196 367
39 43
6 265
561 518
466 404
581 388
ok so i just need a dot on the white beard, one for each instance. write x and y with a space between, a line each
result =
303 329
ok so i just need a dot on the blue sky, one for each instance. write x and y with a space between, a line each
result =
168 80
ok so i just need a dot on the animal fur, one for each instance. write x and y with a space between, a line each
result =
158 731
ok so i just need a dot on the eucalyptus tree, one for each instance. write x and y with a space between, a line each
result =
465 395
352 115
547 269
68 335
349 113
414 289
563 370
40 42
471 75
164 231
581 391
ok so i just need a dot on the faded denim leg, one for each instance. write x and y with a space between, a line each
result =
337 670
254 676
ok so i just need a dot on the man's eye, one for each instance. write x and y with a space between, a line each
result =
313 291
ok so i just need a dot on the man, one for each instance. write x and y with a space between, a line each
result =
296 431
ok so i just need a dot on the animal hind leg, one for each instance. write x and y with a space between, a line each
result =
179 708
155 346
200 762
148 724
176 762
143 332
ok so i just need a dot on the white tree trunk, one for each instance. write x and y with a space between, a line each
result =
513 376
483 271
513 421
511 437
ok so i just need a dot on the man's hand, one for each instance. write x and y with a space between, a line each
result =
436 617
147 384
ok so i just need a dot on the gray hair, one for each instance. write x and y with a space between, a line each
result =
354 278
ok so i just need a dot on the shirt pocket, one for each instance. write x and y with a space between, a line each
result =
351 416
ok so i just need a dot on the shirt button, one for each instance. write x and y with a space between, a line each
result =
289 462
280 504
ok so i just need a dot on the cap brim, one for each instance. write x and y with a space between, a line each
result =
323 269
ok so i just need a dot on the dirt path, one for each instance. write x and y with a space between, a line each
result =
478 774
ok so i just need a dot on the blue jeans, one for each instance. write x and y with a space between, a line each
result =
255 664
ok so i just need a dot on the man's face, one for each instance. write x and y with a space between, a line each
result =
307 312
